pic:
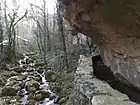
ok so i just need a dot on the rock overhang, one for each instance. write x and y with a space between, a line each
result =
114 26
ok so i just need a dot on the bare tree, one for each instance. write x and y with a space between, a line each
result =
61 30
12 33
37 33
45 30
41 17
11 21
1 30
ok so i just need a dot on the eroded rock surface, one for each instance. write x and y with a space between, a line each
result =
114 25
92 91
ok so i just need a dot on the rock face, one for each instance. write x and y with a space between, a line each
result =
92 91
114 25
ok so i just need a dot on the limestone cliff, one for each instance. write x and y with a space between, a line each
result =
114 25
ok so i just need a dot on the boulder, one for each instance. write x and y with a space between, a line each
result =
32 102
32 86
13 73
8 74
40 64
32 89
49 73
33 83
40 69
45 94
30 60
9 91
42 94
38 97
56 88
38 78
62 101
2 81
17 69
16 78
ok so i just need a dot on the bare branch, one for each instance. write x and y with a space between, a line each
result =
36 7
20 18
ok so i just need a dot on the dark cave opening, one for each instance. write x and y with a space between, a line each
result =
104 73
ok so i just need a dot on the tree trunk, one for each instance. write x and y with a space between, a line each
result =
1 30
61 30
48 35
45 32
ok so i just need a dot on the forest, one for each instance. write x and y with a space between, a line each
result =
69 52
38 54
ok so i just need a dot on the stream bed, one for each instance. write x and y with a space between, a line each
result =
43 86
27 84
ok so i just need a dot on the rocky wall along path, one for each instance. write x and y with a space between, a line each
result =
91 91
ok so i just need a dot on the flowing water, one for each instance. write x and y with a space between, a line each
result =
44 85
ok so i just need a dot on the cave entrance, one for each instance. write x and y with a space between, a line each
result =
104 73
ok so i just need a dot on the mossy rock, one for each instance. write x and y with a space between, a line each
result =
32 89
40 69
17 69
53 78
56 88
17 78
24 67
2 81
14 101
30 70
49 73
31 102
32 86
62 101
45 94
31 60
38 97
31 96
9 91
13 73
7 74
41 94
33 83
18 98
35 96
40 64
38 78
4 66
